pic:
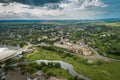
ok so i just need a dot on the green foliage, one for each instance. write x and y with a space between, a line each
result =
96 71
104 38
43 64
28 68
58 72
50 64
7 68
57 65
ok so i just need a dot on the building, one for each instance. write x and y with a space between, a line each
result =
6 52
36 76
82 50
29 51
15 75
55 78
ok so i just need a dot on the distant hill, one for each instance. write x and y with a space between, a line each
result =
60 21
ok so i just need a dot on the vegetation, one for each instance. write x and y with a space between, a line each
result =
51 69
98 70
105 39
59 73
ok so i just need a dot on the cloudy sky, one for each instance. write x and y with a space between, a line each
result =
59 9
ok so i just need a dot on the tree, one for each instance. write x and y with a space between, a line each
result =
43 64
50 64
57 65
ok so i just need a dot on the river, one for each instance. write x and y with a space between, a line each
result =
65 66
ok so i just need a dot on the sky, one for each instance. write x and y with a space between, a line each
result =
58 9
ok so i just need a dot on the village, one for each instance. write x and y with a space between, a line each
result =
57 38
58 43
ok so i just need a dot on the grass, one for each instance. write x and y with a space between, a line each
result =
106 23
113 56
43 54
59 73
49 55
113 24
105 71
99 72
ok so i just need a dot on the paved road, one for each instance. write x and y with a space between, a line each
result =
29 45
98 56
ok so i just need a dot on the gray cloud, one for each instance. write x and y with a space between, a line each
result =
32 2
49 9
50 4
5 1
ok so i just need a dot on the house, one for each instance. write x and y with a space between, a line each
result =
15 75
3 78
55 78
86 51
36 76
83 50
29 51
45 37
76 49
66 40
69 44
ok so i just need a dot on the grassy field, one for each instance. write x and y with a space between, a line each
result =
114 56
42 54
105 71
59 73
107 23
113 24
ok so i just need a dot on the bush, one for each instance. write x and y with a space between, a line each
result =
50 64
57 65
43 64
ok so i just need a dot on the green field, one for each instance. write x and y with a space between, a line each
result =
59 73
113 24
103 36
42 54
104 71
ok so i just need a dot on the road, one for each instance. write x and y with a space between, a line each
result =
29 45
98 56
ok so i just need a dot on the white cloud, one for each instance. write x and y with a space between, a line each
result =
83 4
82 9
73 9
20 9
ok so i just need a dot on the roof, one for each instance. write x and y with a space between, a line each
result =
15 75
55 78
37 75
6 52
